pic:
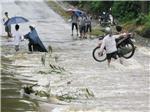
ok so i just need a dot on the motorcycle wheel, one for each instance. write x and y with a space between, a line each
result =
96 56
131 49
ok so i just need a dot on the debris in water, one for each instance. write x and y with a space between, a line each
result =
43 59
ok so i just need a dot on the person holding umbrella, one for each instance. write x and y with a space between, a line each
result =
7 27
74 19
17 35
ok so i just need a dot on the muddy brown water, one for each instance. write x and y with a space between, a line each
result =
11 98
120 88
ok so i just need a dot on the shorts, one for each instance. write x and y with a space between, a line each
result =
112 55
8 28
82 29
17 47
76 25
88 28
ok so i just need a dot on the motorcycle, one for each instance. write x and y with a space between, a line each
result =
106 20
103 21
125 47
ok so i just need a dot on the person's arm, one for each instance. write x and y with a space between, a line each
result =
117 36
102 46
21 37
26 36
124 34
71 18
120 35
3 20
13 34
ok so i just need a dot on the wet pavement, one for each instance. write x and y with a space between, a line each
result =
120 88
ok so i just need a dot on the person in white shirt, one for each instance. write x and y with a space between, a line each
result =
109 43
17 37
7 27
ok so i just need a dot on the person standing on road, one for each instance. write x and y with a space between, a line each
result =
7 27
82 27
17 37
88 24
74 19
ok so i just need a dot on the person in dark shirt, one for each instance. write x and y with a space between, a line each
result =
74 19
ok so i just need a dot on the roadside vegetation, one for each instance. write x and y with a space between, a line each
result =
57 8
132 15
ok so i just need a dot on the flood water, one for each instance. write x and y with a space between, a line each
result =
120 88
11 98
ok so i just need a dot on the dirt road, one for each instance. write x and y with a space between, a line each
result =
120 88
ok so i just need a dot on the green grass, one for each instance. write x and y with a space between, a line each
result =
58 9
96 31
140 25
147 21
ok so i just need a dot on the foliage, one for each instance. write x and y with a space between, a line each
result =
95 6
66 98
29 90
123 10
96 31
140 20
146 30
126 10
58 9
132 13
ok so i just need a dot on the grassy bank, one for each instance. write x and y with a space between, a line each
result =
140 25
96 31
58 9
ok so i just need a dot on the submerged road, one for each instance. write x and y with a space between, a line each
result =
120 88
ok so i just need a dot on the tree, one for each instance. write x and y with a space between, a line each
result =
145 7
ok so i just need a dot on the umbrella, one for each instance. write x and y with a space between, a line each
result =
15 20
77 12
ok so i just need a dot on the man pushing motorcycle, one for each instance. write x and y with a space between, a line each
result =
110 45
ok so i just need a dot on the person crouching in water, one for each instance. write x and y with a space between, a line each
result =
17 37
35 43
31 44
109 43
